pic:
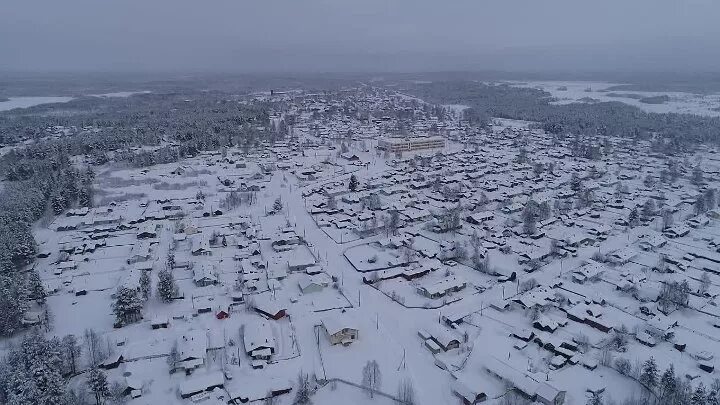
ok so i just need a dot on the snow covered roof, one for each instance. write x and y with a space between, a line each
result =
338 322
258 335
201 382
193 345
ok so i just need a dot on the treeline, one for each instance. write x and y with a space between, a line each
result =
597 119
178 125
38 181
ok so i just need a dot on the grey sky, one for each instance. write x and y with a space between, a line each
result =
360 35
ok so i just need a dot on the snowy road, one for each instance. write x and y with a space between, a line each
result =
393 321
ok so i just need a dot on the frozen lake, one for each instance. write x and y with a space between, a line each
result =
567 92
25 102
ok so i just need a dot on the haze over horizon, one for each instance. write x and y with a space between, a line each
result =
341 36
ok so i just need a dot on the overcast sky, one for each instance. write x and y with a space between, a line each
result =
360 35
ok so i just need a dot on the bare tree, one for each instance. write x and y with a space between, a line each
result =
92 343
704 283
406 391
372 379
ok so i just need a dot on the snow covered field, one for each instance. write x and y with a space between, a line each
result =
678 102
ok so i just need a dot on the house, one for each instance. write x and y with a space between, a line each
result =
192 349
300 263
645 338
590 315
350 156
706 366
204 275
698 221
203 304
623 256
309 284
340 329
201 383
480 218
112 361
66 266
546 324
443 287
139 253
200 247
160 322
256 389
652 241
258 340
676 231
523 334
147 231
271 308
590 271
468 396
444 338
534 390
512 208
133 387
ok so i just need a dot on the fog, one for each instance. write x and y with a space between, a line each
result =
357 36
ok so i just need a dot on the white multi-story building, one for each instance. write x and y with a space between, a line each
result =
410 144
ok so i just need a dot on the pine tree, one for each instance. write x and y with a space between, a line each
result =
697 176
668 385
302 394
98 384
278 205
13 304
648 209
145 285
634 218
58 203
353 183
649 376
170 261
128 305
713 396
529 217
85 196
36 290
34 370
699 397
166 287
700 205
173 357
596 398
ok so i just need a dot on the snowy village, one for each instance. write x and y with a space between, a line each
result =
360 245
380 249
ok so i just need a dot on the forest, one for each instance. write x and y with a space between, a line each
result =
596 119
